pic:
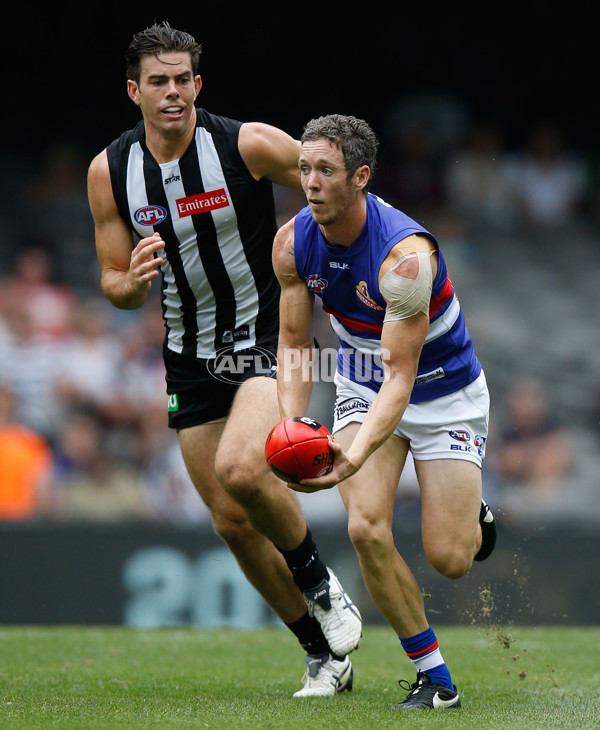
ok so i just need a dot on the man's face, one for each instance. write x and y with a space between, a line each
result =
324 180
166 92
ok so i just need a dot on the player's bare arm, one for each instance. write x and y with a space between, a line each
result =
402 338
127 272
296 321
271 153
412 244
401 343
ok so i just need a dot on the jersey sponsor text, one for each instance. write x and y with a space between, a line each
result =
202 203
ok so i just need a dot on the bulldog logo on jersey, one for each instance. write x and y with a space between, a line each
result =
479 442
363 297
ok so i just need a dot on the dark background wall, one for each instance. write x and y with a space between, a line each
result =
139 576
64 70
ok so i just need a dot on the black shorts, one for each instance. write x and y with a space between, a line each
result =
202 390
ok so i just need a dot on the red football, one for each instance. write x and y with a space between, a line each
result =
298 448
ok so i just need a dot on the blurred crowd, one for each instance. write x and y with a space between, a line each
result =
83 417
83 431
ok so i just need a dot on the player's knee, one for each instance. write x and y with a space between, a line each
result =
367 536
239 479
451 563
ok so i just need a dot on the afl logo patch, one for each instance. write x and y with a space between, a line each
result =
150 215
460 435
316 283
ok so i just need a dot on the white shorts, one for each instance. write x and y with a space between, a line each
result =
453 426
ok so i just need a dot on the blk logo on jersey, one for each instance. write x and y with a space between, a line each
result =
150 215
202 203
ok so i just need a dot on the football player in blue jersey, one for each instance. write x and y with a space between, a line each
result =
407 379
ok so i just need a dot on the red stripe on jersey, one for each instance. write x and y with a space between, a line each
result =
423 652
355 324
441 298
435 304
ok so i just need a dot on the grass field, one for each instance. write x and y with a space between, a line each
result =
93 677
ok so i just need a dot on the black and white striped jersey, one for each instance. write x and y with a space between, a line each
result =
218 224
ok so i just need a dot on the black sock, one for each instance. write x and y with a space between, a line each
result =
307 567
308 632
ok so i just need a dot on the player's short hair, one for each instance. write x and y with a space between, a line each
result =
159 38
353 136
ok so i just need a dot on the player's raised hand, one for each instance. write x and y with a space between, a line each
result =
145 263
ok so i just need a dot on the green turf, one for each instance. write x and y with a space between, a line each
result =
113 678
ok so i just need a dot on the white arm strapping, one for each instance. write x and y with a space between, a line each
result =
406 287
